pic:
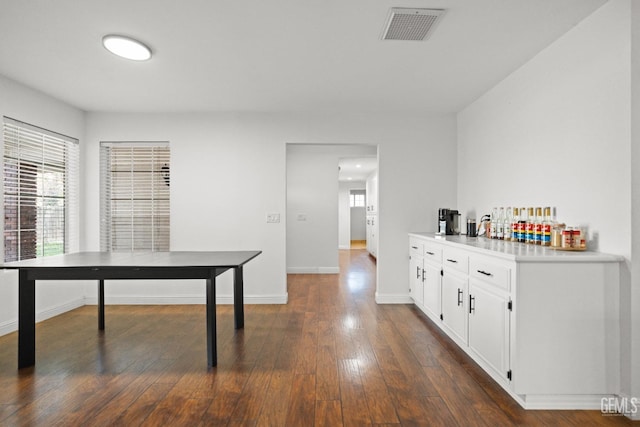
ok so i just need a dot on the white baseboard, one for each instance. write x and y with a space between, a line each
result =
632 405
8 327
313 270
393 298
63 308
12 325
562 402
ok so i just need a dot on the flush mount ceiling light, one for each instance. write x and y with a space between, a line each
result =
126 47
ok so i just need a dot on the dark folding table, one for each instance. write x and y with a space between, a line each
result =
103 266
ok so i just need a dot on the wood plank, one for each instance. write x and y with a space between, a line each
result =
302 401
328 413
276 405
355 411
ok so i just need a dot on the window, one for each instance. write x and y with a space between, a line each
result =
134 196
40 187
357 200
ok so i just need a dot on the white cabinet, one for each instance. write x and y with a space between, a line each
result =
543 324
454 305
454 292
372 235
416 273
432 280
371 186
372 213
432 285
425 273
489 326
490 311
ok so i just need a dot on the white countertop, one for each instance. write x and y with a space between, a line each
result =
523 252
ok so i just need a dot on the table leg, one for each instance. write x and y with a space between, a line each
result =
212 352
26 321
238 297
101 305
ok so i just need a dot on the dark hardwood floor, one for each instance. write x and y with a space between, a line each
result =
330 357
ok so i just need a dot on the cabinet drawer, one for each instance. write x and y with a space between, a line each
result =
416 247
433 253
455 259
490 272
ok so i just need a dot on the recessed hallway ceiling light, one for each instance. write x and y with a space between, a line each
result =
126 47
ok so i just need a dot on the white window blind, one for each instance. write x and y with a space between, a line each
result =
134 196
40 187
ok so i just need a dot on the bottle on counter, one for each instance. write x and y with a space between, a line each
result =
537 227
529 226
493 225
500 225
442 221
545 235
522 226
514 225
508 219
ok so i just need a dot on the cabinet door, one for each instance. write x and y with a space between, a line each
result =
416 279
374 235
432 290
454 304
489 326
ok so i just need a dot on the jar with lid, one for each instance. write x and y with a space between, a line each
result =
567 238
556 236
472 231
579 240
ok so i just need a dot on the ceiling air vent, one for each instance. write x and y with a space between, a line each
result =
411 24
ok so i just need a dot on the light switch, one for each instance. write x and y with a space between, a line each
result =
273 218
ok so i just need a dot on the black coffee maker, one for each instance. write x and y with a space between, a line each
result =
448 221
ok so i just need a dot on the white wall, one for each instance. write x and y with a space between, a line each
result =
557 132
229 170
24 104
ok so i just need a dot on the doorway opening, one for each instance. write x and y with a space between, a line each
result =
320 178
359 221
358 176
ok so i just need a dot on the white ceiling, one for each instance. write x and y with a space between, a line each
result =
276 55
356 169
